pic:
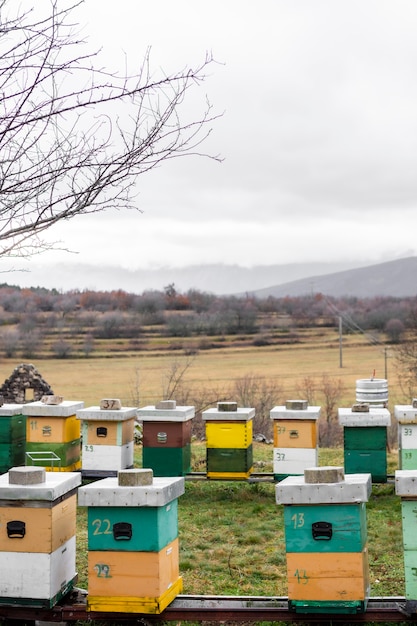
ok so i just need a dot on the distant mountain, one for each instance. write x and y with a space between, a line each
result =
393 278
215 278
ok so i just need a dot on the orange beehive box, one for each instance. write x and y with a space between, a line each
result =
143 574
104 432
35 528
52 429
295 433
340 576
52 420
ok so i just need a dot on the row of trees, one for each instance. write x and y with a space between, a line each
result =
198 312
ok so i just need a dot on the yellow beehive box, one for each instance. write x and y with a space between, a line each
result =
295 433
135 604
229 434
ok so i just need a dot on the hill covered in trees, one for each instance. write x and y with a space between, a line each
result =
42 323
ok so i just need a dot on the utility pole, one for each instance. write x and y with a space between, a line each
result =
340 342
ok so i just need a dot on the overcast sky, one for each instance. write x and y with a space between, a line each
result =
318 136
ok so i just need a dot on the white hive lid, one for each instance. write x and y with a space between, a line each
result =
55 485
353 489
108 492
240 415
111 415
8 410
154 414
406 483
405 412
65 409
281 412
374 417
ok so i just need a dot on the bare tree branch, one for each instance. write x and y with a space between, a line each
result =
74 138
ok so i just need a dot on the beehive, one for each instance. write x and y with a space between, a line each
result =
406 416
107 438
37 536
53 434
12 436
406 488
166 438
295 427
365 440
229 441
133 550
326 540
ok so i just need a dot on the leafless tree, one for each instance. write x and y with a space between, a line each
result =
174 379
262 394
406 365
73 136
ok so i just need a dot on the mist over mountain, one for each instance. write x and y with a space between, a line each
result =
215 278
393 278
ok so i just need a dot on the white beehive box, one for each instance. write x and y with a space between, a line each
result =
107 458
38 576
293 460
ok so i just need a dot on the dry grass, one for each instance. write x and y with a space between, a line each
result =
140 379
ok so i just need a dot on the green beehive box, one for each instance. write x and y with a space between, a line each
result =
168 461
233 460
146 529
12 428
12 454
60 454
321 606
406 487
373 462
365 438
410 574
409 522
408 459
325 528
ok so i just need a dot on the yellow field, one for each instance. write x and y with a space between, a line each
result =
139 380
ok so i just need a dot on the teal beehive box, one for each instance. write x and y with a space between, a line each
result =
365 440
406 488
140 518
326 540
133 545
